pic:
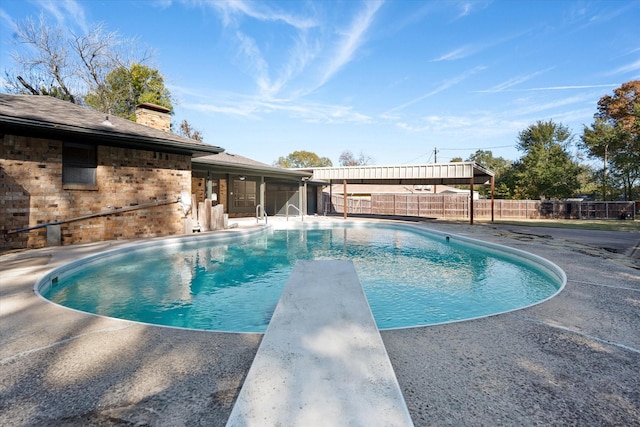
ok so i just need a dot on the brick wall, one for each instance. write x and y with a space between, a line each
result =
31 193
224 196
154 119
199 188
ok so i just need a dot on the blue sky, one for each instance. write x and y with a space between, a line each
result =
391 79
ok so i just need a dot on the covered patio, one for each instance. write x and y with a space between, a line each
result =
454 173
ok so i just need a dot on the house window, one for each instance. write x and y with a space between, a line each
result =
79 163
244 194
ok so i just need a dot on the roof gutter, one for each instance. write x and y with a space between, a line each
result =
240 168
26 126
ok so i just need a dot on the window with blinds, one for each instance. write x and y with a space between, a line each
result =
79 164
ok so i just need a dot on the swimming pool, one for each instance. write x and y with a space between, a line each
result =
232 282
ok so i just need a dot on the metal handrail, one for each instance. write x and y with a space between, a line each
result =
95 215
264 214
296 208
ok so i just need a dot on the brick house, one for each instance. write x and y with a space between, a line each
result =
93 177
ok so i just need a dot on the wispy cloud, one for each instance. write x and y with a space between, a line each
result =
257 109
629 68
477 47
320 113
583 115
471 128
607 14
256 64
212 108
442 87
9 22
513 82
532 108
351 41
66 12
307 46
467 8
258 10
459 53
569 87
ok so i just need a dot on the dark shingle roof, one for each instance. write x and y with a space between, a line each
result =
50 117
234 163
228 158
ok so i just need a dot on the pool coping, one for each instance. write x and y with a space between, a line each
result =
570 360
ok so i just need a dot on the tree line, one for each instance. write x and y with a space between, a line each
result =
106 72
547 168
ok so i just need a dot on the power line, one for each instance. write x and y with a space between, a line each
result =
476 149
430 153
435 151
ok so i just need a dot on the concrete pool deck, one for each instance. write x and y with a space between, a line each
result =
571 360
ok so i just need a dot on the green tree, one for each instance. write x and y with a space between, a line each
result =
614 138
589 180
485 158
507 183
497 164
546 170
126 87
302 159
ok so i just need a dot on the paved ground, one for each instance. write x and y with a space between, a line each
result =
623 242
573 360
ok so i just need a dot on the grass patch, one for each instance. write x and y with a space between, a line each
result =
607 225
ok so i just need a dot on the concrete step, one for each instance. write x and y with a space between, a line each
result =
322 360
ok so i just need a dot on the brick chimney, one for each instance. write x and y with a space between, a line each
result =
155 116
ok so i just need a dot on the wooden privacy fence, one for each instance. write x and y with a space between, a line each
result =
455 206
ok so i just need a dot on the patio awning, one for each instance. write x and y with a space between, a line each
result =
455 173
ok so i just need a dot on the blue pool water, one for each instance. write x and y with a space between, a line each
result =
410 277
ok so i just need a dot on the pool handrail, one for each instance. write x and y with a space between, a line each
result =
296 208
264 214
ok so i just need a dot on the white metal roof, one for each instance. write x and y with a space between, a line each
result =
455 173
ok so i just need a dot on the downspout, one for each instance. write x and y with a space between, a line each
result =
304 199
330 196
344 183
301 187
263 189
493 181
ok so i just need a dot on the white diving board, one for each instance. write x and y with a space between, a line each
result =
322 361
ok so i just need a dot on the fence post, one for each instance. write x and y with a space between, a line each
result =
471 202
493 185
